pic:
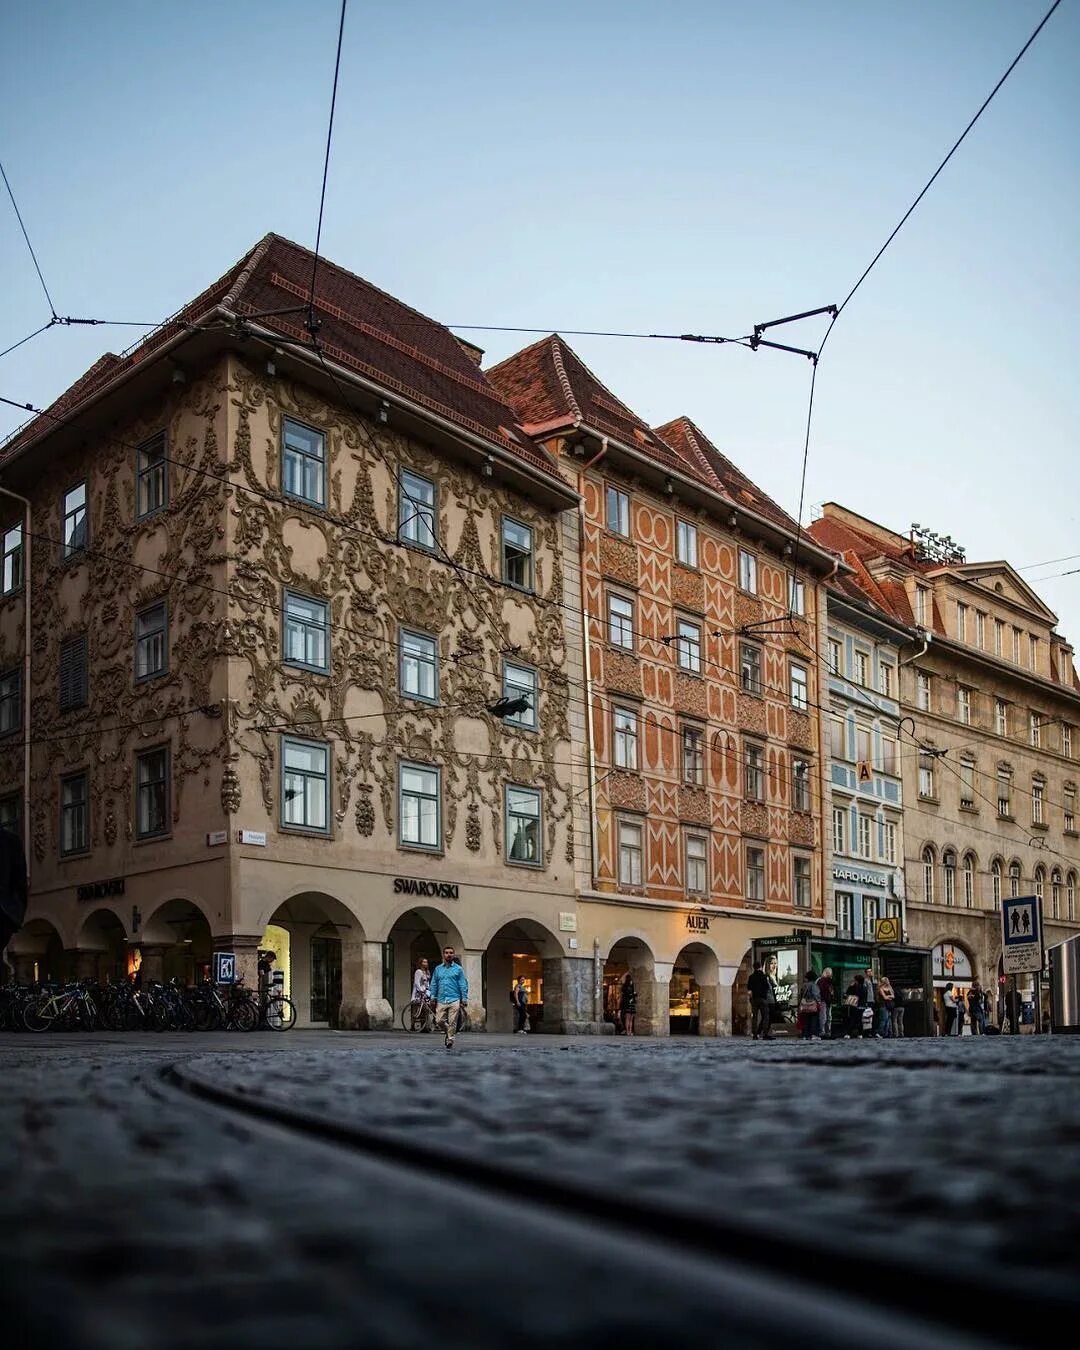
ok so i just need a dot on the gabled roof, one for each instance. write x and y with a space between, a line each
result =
689 441
1005 573
362 329
551 389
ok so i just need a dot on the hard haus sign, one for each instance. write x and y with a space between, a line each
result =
432 890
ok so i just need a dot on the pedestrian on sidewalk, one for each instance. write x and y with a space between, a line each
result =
521 1007
949 1000
896 1013
760 992
976 1009
825 988
961 1006
810 1006
887 999
855 996
450 990
628 1003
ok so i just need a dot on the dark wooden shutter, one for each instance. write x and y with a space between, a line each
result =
74 676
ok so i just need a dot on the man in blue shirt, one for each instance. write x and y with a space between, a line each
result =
450 990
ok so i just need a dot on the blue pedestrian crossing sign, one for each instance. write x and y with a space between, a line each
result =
1021 935
224 967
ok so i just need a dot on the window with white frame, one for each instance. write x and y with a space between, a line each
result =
74 814
922 681
620 621
1040 883
523 838
800 785
948 871
693 755
969 881
76 532
697 867
922 605
755 875
803 888
419 806
890 755
837 747
866 829
419 666
754 758
796 595
305 785
999 638
303 462
835 657
1016 646
1004 793
1066 740
996 874
618 511
1055 893
967 783
1001 717
961 621
1069 804
416 510
928 875
862 665
845 909
750 668
517 554
1070 897
307 632
800 689
520 682
631 853
688 646
963 704
686 543
926 776
1014 879
839 829
626 738
886 678
747 571
13 559
10 701
1035 726
870 914
1038 802
151 642
1033 651
980 628
152 793
151 476
888 839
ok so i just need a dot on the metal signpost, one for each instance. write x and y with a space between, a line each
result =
1022 946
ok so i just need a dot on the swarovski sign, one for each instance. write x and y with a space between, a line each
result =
433 890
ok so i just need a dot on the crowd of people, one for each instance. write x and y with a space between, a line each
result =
870 1006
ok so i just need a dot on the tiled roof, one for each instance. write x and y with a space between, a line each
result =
550 388
694 446
363 329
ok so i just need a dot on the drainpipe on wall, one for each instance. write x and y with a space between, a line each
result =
585 636
928 637
28 610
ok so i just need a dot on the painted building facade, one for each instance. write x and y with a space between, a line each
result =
701 798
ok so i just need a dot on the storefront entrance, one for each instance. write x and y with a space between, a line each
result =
951 966
325 995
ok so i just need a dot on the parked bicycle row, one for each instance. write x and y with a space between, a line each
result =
88 1005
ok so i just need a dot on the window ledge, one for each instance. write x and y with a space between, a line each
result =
969 808
1071 834
425 850
152 839
303 832
688 567
623 651
1007 816
1040 825
929 797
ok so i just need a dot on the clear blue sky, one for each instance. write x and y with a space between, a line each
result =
674 166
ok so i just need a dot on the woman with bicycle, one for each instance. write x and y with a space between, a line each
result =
421 981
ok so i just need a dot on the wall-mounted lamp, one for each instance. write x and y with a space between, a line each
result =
136 919
788 550
488 466
382 413
733 520
178 376
669 487
271 369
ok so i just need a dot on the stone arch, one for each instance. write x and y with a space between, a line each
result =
946 939
101 947
330 972
693 999
418 932
525 947
631 953
36 953
175 942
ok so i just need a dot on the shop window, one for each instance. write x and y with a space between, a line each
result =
303 462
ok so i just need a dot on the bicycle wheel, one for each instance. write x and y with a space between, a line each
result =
38 1014
243 1015
280 1013
410 1021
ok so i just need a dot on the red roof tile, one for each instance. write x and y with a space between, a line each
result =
362 328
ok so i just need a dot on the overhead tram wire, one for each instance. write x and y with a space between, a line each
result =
29 337
896 230
29 245
312 322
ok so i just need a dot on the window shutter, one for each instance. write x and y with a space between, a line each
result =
73 673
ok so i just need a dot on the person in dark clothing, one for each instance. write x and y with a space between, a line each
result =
628 1003
760 992
825 985
520 996
12 887
949 999
855 997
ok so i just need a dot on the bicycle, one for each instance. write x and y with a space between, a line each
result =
69 1008
278 1012
419 1015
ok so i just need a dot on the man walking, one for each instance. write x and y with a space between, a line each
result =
450 990
760 991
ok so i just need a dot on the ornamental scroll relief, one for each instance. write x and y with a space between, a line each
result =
349 557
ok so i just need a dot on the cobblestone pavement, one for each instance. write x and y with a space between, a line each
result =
325 1190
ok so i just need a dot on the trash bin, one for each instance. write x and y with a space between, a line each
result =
1065 986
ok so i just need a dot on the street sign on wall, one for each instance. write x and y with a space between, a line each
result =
1021 935
224 967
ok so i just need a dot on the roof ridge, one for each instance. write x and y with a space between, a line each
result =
564 379
689 430
630 414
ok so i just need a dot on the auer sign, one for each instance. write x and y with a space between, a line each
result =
432 890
